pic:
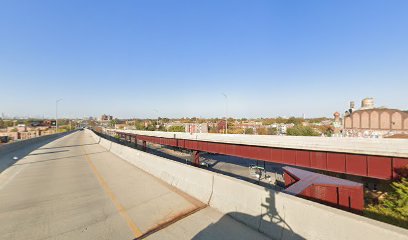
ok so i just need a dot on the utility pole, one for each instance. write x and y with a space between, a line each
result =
56 114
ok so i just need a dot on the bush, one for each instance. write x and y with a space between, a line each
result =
176 129
393 208
300 130
249 131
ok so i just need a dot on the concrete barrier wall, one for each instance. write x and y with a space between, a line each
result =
278 215
195 182
22 148
105 143
96 137
283 216
5 148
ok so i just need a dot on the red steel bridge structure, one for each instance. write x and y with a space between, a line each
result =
365 165
376 160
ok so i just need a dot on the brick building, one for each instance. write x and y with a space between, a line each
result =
369 121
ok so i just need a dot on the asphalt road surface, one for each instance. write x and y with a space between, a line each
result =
72 188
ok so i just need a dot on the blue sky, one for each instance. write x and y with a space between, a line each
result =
176 58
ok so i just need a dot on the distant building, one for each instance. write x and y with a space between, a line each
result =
23 132
189 127
120 126
196 127
369 121
221 126
282 128
105 117
337 124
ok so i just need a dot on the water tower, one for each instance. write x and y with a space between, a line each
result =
367 103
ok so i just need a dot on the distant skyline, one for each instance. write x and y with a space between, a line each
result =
173 59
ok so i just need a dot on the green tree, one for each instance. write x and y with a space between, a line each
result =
280 120
92 123
150 127
176 129
139 126
27 122
262 131
294 120
300 130
272 131
113 122
249 131
327 130
213 130
394 207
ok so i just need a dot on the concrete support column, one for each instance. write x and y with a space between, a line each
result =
196 158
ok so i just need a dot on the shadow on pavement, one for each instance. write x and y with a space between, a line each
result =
33 154
270 223
7 157
60 158
77 145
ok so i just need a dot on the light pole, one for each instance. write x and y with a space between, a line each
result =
56 114
226 113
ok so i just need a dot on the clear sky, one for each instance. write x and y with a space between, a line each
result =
177 58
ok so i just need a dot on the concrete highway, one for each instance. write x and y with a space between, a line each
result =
72 188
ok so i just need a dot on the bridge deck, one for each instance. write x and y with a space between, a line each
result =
374 158
72 188
380 146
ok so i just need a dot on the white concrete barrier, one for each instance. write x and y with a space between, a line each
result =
10 153
278 215
8 147
283 216
96 137
105 143
196 182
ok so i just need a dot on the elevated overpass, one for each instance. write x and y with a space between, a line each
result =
373 158
81 186
73 188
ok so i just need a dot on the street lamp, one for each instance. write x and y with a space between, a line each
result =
226 112
56 114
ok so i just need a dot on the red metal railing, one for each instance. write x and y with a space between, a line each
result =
379 167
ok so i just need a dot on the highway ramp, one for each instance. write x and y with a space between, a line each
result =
72 188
